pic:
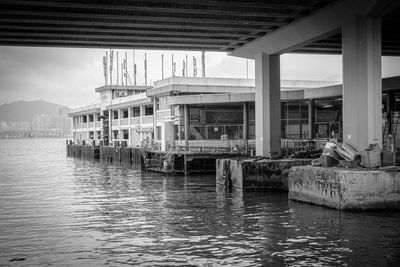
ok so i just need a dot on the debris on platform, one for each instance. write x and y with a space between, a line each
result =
371 156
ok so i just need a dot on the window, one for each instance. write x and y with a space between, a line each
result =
294 119
136 112
125 134
115 134
157 104
98 117
91 135
158 128
91 118
148 110
84 119
115 114
98 134
124 113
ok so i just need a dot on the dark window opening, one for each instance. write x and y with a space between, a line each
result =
115 114
125 134
125 113
148 110
136 112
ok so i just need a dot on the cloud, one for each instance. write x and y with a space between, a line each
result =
69 76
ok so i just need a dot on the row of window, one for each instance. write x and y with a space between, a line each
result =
135 112
89 118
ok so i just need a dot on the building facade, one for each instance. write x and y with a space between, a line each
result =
209 113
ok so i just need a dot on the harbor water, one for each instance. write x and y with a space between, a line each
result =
62 211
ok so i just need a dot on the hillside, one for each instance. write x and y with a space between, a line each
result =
26 110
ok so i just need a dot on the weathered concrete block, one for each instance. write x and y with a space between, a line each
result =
259 175
345 189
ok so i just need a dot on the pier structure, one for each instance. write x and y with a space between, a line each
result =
194 121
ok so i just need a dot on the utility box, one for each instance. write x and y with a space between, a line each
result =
371 157
387 158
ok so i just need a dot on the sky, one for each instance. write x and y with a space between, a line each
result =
69 76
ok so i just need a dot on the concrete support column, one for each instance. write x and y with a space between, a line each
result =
311 118
110 136
141 111
268 105
186 123
389 111
155 119
362 80
245 120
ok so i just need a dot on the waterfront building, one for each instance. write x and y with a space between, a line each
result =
186 113
215 112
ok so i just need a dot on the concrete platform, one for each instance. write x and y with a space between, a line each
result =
254 174
346 189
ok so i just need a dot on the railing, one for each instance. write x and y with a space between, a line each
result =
216 146
216 132
115 122
135 121
97 124
84 125
90 124
147 119
124 122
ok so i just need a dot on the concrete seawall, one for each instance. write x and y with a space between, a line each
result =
256 175
345 189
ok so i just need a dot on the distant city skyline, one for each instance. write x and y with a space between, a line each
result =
68 76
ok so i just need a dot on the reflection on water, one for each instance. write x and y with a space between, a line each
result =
60 211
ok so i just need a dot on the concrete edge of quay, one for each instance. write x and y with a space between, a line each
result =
345 189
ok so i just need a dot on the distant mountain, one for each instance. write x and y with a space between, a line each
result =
26 110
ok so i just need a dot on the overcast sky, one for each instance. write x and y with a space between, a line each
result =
69 76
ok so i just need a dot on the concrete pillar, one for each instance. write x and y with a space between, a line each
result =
267 105
389 111
311 118
155 119
186 123
362 80
110 136
245 121
141 110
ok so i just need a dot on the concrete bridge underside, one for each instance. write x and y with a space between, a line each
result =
362 31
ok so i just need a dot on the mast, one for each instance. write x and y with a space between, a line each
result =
145 69
134 69
194 67
126 68
203 63
105 68
162 66
111 64
117 69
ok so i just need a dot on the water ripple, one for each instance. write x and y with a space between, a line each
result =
60 211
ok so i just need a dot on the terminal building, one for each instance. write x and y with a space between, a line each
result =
158 117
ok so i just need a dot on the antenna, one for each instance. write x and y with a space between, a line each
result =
203 63
173 66
162 66
117 69
134 69
111 64
126 68
105 67
183 68
194 66
145 69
